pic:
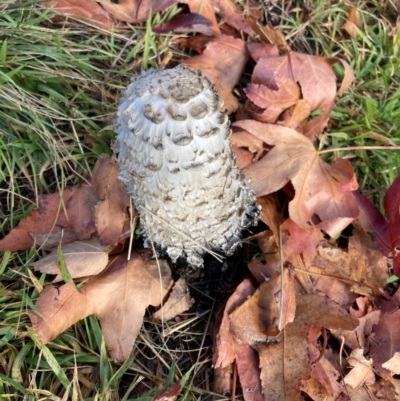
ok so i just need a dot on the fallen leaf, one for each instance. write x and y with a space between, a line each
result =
48 218
178 302
323 193
276 303
118 297
80 208
391 202
170 394
393 364
362 370
232 15
82 258
372 222
50 241
243 157
259 50
225 74
314 74
386 342
206 9
352 23
189 22
243 139
249 372
272 102
135 10
315 127
296 115
269 34
244 323
223 380
86 9
225 345
298 241
110 213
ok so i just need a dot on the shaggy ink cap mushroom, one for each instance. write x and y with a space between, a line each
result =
178 165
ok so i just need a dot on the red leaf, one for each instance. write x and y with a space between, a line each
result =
391 202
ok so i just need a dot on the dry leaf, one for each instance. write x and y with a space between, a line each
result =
82 258
393 364
170 394
135 10
48 218
119 298
87 9
362 370
352 23
300 241
178 302
314 74
323 193
225 74
386 342
272 102
110 213
225 345
249 372
244 323
363 263
391 202
274 314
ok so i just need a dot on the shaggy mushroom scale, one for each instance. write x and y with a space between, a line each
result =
177 163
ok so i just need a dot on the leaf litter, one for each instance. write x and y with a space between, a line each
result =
305 292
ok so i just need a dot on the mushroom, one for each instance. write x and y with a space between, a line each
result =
178 165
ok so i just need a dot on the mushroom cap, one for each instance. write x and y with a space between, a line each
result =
178 165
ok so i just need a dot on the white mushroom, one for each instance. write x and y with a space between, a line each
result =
177 163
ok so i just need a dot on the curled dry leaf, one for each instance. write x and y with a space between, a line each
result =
393 364
272 102
135 10
362 370
391 202
232 57
386 342
298 241
274 314
352 23
86 9
244 323
364 263
372 222
119 298
112 211
225 345
249 372
71 212
178 302
323 193
314 74
82 258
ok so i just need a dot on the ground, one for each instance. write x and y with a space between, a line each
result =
60 82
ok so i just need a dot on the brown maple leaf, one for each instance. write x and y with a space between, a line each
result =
86 9
225 73
111 212
323 193
118 297
314 74
70 212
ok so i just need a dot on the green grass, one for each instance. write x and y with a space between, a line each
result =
59 86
